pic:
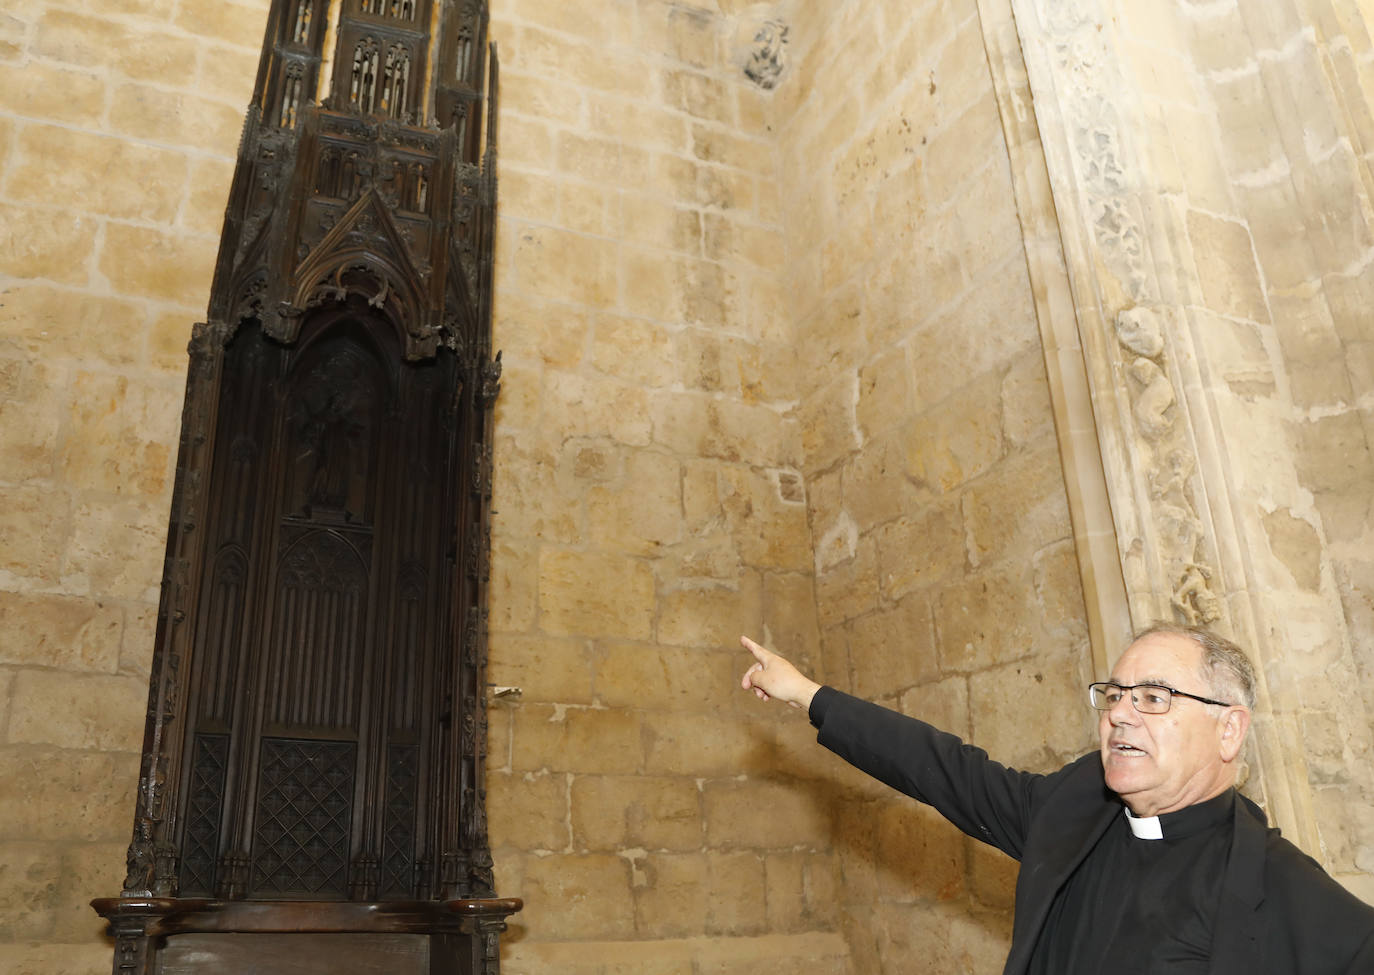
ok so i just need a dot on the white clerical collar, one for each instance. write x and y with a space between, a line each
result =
1145 827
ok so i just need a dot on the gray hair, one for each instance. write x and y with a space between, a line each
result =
1225 667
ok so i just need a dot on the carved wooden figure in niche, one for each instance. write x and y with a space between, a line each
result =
316 731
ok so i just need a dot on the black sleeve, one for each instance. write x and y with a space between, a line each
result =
819 702
1312 917
983 798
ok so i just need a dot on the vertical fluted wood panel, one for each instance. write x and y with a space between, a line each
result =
315 640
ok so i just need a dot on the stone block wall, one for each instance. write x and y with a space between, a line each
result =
649 508
772 365
1304 190
946 579
118 126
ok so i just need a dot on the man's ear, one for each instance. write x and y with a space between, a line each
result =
1235 723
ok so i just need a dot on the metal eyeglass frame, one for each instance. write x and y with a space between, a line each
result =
1168 701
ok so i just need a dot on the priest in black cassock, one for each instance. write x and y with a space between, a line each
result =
1138 858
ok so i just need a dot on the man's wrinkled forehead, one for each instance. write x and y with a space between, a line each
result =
1159 658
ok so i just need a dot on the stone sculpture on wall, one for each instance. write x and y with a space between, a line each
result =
763 52
1171 465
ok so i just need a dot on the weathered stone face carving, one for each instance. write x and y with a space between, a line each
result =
1140 332
767 56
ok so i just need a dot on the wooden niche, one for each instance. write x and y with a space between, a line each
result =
312 798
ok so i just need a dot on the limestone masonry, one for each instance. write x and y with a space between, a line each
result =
932 342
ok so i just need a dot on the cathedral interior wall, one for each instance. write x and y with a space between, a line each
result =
946 577
771 365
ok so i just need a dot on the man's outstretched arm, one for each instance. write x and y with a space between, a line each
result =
770 676
983 798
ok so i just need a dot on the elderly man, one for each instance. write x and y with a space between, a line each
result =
1138 858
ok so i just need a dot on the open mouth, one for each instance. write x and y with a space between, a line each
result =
1121 748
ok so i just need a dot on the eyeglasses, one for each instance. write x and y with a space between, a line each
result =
1147 698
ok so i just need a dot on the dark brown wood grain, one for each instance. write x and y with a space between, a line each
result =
316 728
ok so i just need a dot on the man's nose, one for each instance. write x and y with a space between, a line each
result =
1123 711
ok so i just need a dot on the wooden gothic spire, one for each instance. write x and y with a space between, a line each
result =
316 727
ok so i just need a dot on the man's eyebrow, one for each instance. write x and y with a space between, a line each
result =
1161 681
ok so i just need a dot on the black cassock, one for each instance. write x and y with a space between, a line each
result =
1137 906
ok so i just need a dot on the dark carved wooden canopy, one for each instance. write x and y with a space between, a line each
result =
313 754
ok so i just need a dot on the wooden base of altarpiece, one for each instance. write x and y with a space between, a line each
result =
181 936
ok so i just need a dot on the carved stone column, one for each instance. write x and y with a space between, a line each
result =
1119 294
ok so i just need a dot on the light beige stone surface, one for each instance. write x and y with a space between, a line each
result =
781 953
53 708
83 796
529 810
577 896
109 132
86 957
655 813
777 361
